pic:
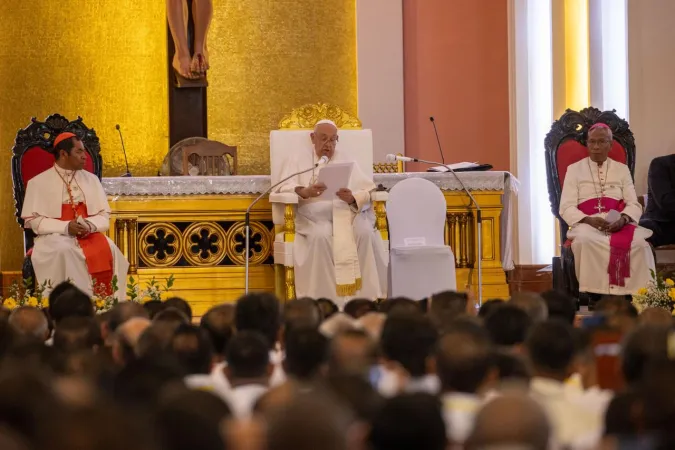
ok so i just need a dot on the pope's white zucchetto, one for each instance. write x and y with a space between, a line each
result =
325 121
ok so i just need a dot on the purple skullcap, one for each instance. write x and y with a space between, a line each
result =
599 125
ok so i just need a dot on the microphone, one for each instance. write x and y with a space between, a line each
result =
126 161
438 140
393 158
247 216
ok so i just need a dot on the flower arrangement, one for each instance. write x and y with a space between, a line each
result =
659 293
24 295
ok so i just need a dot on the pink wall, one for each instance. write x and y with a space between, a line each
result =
456 69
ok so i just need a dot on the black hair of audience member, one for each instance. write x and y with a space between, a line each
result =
351 352
156 339
301 313
550 347
172 315
403 304
8 336
625 413
153 307
507 325
356 393
409 339
409 422
77 333
191 419
359 307
259 312
560 306
124 311
98 427
488 306
4 314
645 346
181 305
247 355
328 307
615 304
218 322
193 349
464 358
29 354
306 352
511 367
446 306
27 402
140 383
71 302
60 289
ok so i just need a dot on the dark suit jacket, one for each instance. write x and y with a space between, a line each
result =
661 190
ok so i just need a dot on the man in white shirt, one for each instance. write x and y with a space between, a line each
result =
68 210
610 258
248 370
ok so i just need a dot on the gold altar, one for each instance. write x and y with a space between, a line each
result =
199 237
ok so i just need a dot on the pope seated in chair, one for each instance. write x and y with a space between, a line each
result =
610 258
68 210
337 252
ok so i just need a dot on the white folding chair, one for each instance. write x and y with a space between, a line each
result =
420 264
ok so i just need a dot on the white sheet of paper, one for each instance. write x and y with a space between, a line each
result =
335 177
81 221
612 216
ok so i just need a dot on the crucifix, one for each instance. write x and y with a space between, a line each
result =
188 63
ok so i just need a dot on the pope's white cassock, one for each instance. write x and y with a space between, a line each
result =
338 253
614 263
58 256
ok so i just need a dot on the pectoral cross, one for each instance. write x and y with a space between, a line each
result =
600 208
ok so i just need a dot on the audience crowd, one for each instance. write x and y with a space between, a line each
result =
393 375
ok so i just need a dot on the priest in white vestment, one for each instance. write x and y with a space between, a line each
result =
610 258
338 253
68 210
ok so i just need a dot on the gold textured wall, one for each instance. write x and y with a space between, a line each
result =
104 60
268 57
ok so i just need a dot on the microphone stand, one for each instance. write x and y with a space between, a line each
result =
247 218
479 224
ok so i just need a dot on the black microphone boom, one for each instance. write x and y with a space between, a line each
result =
438 140
126 161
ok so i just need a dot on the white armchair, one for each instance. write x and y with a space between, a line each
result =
420 263
297 144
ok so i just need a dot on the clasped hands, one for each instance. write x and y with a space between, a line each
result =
317 189
77 230
602 225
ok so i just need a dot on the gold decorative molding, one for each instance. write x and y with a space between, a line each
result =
290 283
306 117
260 236
289 223
159 245
204 244
381 219
385 167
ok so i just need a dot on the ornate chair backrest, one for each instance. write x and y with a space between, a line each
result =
566 144
209 158
32 155
387 167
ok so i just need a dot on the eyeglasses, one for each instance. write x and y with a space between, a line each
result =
324 138
598 142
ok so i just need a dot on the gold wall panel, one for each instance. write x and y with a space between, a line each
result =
102 60
269 57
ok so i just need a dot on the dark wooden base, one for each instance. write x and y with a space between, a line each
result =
528 279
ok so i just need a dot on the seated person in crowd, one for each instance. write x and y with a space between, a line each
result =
68 210
610 258
659 214
338 252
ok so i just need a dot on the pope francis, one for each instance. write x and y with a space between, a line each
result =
68 210
338 253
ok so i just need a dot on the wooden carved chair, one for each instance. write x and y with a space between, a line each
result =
208 157
292 140
565 144
387 167
31 155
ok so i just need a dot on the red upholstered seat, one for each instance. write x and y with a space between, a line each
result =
572 151
36 160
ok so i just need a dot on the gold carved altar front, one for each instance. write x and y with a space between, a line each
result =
195 232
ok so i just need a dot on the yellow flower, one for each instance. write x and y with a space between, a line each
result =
671 293
642 291
32 301
45 302
9 303
99 302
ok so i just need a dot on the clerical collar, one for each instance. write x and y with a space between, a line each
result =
63 171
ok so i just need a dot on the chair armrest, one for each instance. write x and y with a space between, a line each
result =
379 196
284 197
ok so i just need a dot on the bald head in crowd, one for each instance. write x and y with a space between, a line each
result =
510 421
29 321
127 337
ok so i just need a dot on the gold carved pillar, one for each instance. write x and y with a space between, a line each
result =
126 239
381 219
289 236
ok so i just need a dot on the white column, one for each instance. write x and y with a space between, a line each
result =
609 55
532 102
379 25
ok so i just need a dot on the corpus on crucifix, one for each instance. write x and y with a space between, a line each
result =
189 65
